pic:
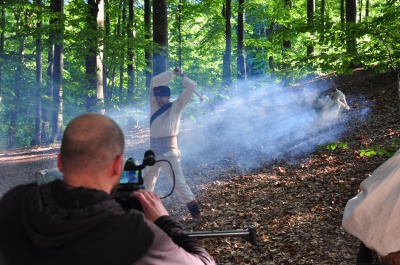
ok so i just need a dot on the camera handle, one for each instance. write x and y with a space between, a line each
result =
173 179
249 235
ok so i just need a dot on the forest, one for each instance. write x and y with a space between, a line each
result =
60 58
254 152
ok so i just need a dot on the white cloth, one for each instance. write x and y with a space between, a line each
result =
373 216
165 125
151 174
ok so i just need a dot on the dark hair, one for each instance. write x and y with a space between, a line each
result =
161 91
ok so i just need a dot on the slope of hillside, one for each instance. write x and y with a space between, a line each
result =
295 204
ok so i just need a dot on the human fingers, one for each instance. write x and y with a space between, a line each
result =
151 204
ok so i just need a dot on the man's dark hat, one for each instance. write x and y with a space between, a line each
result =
161 91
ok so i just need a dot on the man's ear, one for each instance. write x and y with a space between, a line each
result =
118 166
59 164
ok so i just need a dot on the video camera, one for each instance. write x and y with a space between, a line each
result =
132 180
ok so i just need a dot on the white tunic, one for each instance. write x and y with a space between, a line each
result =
167 124
373 215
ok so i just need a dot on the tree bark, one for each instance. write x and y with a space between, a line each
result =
57 113
271 57
286 41
351 17
148 55
12 129
310 22
322 21
131 59
241 59
122 33
226 60
94 69
3 28
180 33
160 36
39 83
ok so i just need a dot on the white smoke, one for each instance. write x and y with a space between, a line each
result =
257 125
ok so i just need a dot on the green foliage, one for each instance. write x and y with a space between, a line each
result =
334 145
381 150
268 23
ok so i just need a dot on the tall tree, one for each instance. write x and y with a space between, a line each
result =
94 68
351 17
226 60
322 21
180 33
57 111
131 37
39 80
18 77
310 22
46 109
342 13
241 62
106 63
122 31
147 35
160 36
3 28
287 43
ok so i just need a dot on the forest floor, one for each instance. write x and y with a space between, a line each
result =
295 206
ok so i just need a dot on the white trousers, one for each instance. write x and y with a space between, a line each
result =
151 174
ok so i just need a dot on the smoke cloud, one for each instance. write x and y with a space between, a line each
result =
256 125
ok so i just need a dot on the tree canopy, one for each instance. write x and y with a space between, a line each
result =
61 58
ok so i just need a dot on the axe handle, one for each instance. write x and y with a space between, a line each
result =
199 95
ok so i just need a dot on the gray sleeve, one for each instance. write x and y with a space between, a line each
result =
172 246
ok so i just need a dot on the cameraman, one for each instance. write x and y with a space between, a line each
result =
76 221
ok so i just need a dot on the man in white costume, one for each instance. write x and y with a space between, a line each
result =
164 129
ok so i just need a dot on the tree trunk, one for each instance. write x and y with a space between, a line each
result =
57 115
12 129
241 59
131 37
94 69
351 17
271 57
226 60
322 21
160 36
148 35
122 33
46 110
310 22
99 59
342 12
39 83
180 33
106 63
398 89
287 44
3 27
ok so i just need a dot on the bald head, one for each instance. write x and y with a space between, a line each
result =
90 142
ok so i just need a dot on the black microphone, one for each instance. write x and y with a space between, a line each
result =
149 158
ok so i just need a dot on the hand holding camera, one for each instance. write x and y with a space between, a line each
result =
152 206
